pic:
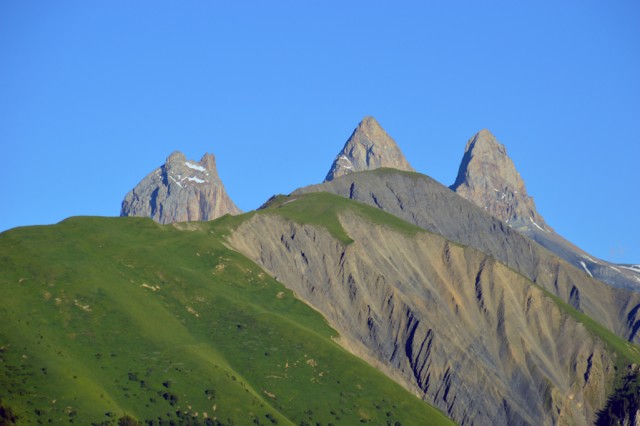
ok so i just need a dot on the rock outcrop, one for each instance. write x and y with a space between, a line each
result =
461 330
180 191
368 148
488 178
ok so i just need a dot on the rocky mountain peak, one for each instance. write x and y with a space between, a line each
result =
369 147
488 178
175 156
180 190
209 162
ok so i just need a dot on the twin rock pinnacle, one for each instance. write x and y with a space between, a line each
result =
180 191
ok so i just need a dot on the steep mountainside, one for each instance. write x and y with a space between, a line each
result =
465 332
108 318
489 179
426 203
291 314
622 276
368 148
180 191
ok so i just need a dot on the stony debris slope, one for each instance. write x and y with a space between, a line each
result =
467 333
426 203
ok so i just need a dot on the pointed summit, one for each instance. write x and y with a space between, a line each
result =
368 148
488 178
180 191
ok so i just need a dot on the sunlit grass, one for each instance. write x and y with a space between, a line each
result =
104 317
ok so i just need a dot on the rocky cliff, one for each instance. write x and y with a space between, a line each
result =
463 331
179 191
369 147
430 205
488 178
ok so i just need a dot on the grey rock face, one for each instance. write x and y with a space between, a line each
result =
459 329
368 148
488 178
422 201
180 191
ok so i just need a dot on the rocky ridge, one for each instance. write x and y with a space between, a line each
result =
466 327
422 201
468 334
180 190
488 178
369 147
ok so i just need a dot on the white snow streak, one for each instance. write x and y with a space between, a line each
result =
173 179
632 268
349 164
586 269
195 166
195 179
614 268
537 226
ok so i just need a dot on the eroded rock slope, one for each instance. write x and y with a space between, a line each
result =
461 330
428 204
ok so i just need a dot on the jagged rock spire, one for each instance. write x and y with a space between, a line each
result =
488 178
369 147
179 191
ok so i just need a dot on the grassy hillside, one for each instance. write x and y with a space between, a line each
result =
107 317
322 208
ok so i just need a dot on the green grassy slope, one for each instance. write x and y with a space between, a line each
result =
103 317
322 208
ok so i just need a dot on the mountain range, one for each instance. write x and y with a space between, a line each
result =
474 309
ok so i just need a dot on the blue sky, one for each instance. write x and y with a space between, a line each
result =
94 95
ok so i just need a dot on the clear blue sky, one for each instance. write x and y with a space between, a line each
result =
96 94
